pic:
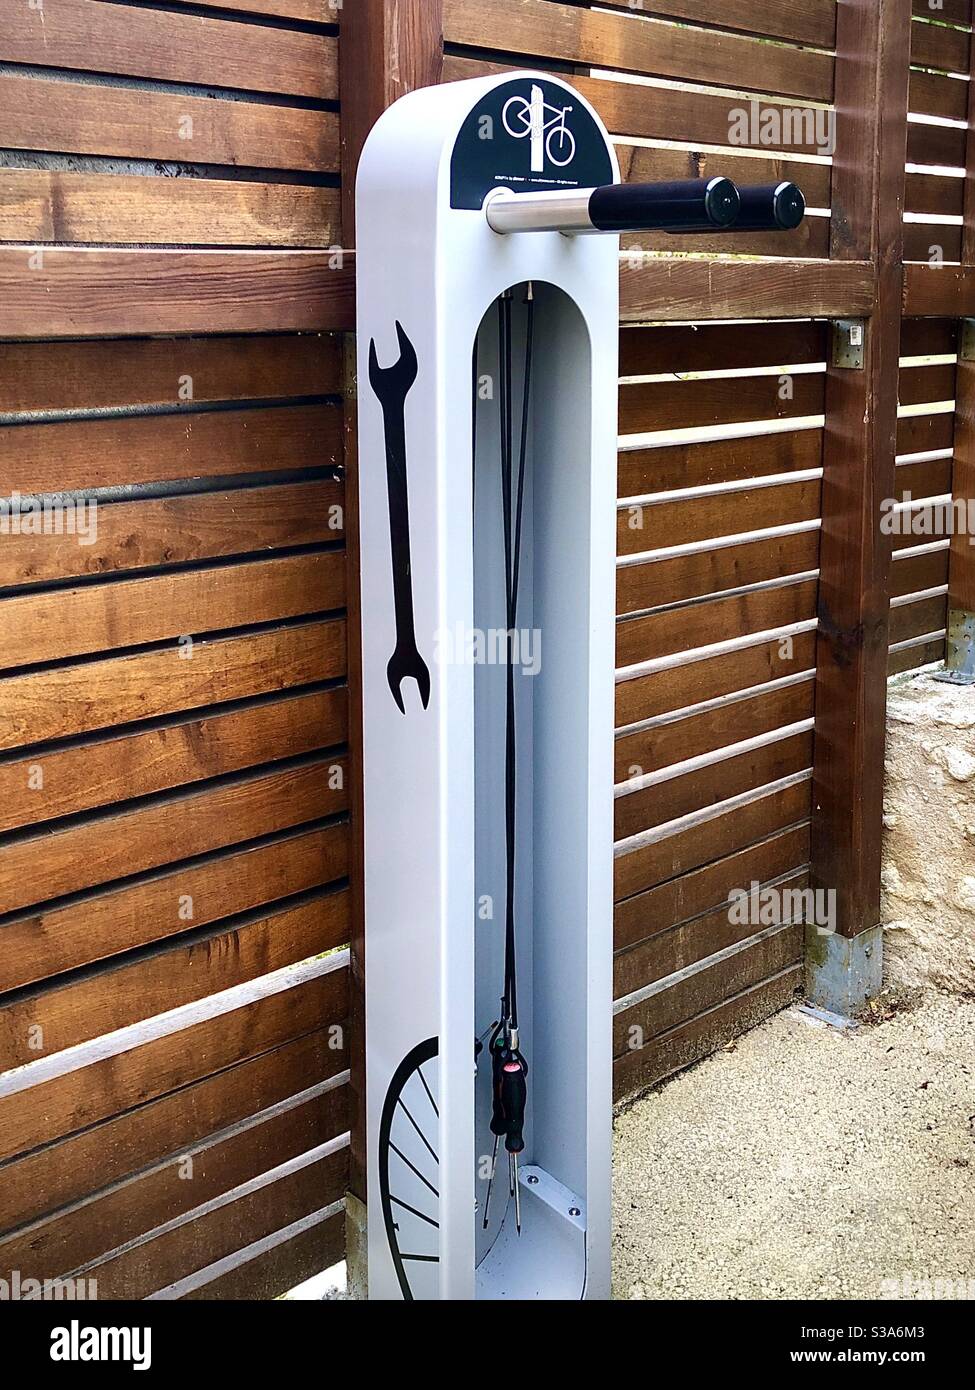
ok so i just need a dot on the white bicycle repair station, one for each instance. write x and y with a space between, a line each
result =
457 302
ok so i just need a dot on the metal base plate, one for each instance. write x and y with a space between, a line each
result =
843 972
955 677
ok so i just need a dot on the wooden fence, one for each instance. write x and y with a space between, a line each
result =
180 939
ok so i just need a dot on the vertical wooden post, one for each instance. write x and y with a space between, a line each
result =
386 48
961 565
872 65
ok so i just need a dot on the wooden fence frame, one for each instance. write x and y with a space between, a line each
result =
390 47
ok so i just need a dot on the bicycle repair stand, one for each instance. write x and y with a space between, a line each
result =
451 180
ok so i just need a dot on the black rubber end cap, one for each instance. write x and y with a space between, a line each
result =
790 206
722 202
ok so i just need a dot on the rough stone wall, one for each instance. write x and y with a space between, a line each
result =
929 851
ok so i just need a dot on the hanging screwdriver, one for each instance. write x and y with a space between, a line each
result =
499 1124
514 1098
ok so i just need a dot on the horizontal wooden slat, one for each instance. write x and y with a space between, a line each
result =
927 478
928 337
57 1174
645 867
701 289
684 898
63 376
82 291
934 193
79 698
926 523
51 205
281 1268
676 687
938 46
715 620
40 787
663 745
92 292
710 571
75 455
625 42
914 619
950 11
126 841
102 924
100 617
171 530
932 94
932 241
924 385
944 292
123 994
912 573
673 466
917 433
659 524
219 1232
311 11
661 405
74 1100
707 987
687 348
805 21
96 37
687 1043
935 144
686 944
89 118
910 658
665 113
107 1220
637 811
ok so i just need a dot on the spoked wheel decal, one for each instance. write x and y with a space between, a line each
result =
409 1166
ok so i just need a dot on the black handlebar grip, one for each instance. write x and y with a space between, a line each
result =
773 207
514 1096
681 205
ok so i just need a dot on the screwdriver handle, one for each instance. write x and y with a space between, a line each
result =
499 1123
514 1097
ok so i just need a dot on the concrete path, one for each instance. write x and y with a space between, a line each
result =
807 1163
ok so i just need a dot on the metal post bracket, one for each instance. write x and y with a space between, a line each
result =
966 345
849 343
960 654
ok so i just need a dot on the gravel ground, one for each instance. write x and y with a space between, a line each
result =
804 1162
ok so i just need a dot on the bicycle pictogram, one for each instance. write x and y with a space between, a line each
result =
522 117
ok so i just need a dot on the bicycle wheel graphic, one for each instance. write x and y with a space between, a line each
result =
522 114
560 146
409 1178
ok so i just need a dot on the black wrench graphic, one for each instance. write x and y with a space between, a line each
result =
392 386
